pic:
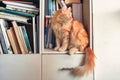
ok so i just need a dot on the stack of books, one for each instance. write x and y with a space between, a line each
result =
18 27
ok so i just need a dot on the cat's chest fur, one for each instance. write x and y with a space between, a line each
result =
61 30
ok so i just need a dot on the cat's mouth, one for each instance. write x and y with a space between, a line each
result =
66 19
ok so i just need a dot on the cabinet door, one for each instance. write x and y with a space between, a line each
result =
20 67
51 65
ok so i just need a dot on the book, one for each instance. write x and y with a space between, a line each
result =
26 39
2 41
14 17
49 35
46 31
1 51
34 33
22 39
18 35
29 31
72 1
46 7
53 6
23 2
13 41
50 7
4 26
37 33
22 9
18 4
17 12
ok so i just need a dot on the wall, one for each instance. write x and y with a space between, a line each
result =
106 22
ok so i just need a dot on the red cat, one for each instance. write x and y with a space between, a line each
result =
70 34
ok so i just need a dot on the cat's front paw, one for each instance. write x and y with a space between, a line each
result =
56 48
73 51
61 49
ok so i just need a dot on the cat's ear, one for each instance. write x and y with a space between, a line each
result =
69 8
63 9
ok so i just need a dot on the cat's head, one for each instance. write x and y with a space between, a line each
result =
65 15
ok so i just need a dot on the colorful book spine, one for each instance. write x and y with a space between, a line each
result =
50 7
18 4
17 12
4 26
23 9
18 35
49 35
14 17
2 41
22 39
26 39
46 31
13 41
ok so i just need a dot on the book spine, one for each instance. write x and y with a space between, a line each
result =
37 33
46 31
17 18
17 12
50 7
13 40
1 51
26 39
29 11
53 6
17 32
34 35
2 41
18 4
49 44
22 38
4 25
23 8
72 1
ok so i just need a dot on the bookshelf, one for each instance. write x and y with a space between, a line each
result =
19 22
85 18
47 64
53 61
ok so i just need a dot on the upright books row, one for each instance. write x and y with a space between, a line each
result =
18 29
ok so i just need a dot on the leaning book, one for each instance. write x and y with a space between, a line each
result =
3 25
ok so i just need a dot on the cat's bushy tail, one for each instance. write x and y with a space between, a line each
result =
88 64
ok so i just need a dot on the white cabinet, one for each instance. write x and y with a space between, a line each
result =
52 65
53 61
20 67
47 64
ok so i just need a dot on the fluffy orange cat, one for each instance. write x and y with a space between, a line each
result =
70 34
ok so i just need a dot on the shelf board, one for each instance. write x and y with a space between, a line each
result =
51 51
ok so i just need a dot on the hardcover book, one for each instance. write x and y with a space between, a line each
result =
13 41
4 26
